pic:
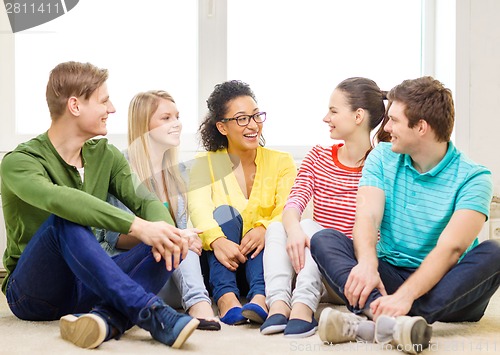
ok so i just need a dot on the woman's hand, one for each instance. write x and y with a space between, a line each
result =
228 253
194 241
295 247
253 240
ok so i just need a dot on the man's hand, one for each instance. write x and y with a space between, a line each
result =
392 305
228 253
255 239
296 244
164 239
362 280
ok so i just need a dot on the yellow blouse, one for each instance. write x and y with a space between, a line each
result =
213 184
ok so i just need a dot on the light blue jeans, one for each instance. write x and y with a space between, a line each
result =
186 287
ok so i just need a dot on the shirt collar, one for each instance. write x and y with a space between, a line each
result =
258 157
450 152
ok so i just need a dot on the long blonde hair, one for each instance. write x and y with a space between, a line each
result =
141 109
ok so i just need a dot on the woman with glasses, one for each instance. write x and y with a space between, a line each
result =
154 131
330 177
237 188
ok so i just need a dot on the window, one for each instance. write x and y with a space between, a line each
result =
293 54
146 45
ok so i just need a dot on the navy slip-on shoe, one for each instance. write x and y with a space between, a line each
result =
254 312
234 317
274 324
298 328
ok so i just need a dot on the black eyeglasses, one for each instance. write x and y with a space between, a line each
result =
244 120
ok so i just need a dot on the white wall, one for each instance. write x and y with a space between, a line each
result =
477 91
484 81
478 82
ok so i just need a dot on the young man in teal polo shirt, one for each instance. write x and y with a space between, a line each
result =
54 190
414 258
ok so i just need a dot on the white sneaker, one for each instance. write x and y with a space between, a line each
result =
408 334
340 327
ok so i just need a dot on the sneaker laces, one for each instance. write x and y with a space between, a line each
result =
350 326
162 313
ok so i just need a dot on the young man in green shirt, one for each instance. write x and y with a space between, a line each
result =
54 190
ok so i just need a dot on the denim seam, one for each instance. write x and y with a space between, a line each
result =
326 276
464 294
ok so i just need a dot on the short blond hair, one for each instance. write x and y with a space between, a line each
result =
72 79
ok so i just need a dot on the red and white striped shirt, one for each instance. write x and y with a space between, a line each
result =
332 186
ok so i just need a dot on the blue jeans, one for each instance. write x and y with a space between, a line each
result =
223 280
64 270
462 295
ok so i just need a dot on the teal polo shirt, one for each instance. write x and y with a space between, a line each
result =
419 206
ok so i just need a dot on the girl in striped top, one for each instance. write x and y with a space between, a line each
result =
330 177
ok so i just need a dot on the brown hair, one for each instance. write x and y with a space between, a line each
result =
364 93
426 99
72 79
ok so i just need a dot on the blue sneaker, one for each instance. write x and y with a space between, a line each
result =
254 312
274 324
84 330
166 325
298 328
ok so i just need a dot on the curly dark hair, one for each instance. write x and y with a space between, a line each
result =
211 139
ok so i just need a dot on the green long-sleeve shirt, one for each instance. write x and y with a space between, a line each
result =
36 182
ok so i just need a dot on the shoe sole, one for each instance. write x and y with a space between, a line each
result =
185 333
420 334
87 331
273 329
322 327
302 335
252 316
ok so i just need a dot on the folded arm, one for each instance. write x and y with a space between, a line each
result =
458 235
